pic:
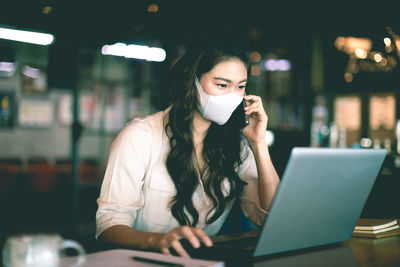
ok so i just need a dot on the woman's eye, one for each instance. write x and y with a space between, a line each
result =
241 87
222 85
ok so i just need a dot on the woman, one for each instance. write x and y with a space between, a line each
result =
177 173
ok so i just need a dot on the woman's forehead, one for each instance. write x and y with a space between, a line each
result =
233 68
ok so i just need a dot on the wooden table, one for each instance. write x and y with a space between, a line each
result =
363 252
355 252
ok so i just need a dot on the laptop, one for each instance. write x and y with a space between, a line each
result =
319 200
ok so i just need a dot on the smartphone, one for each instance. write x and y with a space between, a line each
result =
246 117
238 119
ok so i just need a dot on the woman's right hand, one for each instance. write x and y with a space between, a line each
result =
194 235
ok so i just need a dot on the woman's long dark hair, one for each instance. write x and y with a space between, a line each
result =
222 144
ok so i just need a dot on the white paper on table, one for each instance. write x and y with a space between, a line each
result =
124 258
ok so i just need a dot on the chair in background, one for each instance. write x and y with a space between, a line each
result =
8 173
44 205
42 176
89 182
37 160
64 167
89 172
62 162
14 161
8 195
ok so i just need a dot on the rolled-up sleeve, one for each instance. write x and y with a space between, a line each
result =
250 200
121 191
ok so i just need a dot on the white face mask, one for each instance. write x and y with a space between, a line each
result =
217 108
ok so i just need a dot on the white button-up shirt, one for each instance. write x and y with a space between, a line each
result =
137 188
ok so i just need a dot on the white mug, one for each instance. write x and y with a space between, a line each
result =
39 250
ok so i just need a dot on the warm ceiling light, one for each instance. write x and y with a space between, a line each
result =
255 70
387 41
350 44
397 42
378 57
348 77
255 56
360 53
152 8
26 36
47 10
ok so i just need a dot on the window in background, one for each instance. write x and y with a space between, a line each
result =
283 104
382 112
35 113
114 110
34 79
347 117
6 109
8 61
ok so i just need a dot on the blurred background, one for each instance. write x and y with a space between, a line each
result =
328 74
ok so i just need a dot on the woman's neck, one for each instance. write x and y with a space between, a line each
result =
200 127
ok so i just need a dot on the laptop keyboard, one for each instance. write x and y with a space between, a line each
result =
232 249
245 243
242 240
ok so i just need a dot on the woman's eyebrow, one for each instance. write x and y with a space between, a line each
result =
227 80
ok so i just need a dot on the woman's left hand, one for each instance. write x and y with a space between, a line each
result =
258 119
